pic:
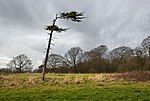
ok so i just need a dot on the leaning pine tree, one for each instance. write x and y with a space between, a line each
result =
73 16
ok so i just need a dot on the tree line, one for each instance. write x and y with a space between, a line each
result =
97 60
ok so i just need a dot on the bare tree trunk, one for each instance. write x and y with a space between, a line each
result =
149 53
46 57
19 70
74 63
48 49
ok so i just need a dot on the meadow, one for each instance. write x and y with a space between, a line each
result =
134 86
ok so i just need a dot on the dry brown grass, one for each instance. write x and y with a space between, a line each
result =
102 77
33 80
9 82
134 76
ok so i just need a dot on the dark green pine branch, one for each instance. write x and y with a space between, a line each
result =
73 16
55 28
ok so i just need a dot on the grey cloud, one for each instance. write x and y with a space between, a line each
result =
29 14
15 12
114 22
110 22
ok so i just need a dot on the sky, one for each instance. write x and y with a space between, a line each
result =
112 23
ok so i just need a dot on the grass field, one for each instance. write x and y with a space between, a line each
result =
76 87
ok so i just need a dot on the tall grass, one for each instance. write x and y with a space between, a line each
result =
134 76
52 79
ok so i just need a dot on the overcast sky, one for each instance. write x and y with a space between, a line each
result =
110 22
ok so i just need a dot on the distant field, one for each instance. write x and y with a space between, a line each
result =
76 87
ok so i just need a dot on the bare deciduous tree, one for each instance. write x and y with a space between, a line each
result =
146 45
56 61
20 63
98 52
74 56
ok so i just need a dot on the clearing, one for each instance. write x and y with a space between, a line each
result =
133 86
